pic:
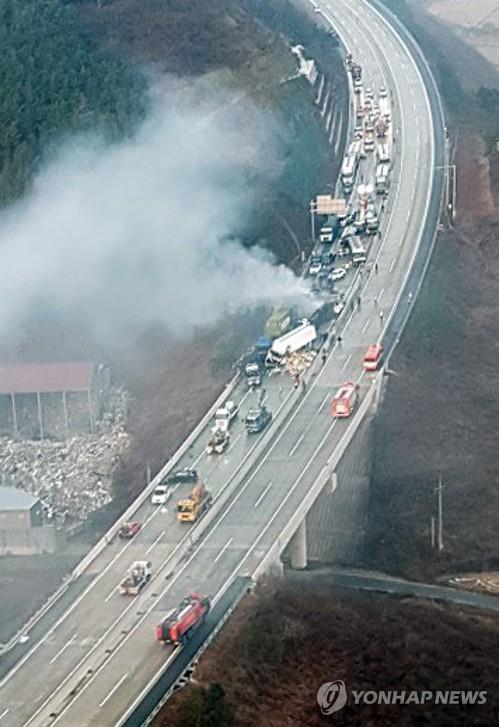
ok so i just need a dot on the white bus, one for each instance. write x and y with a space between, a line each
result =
383 153
348 169
382 172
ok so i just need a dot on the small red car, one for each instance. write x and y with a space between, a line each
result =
129 530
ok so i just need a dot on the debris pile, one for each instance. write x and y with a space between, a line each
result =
71 477
297 363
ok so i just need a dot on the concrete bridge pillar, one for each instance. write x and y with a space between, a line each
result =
298 547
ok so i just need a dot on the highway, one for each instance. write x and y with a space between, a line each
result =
94 663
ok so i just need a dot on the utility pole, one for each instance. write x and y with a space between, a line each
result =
312 220
440 515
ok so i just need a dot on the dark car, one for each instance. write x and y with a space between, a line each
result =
186 475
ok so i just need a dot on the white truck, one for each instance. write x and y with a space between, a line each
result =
295 340
226 415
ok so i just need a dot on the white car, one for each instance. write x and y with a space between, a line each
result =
383 93
338 306
369 93
315 268
337 274
160 495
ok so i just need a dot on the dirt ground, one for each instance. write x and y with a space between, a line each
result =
441 410
26 583
476 22
282 645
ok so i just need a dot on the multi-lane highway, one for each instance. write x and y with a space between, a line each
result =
100 655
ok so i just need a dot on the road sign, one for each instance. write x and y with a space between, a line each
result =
327 205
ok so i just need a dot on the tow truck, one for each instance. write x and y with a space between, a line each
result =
179 626
219 441
136 579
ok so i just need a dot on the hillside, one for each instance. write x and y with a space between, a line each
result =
54 81
283 643
440 411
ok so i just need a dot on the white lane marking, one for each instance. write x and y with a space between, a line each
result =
347 360
4 713
113 690
153 545
392 264
263 494
234 441
296 444
148 686
366 326
380 294
227 545
63 649
324 402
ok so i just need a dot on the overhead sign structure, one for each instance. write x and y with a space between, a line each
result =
327 205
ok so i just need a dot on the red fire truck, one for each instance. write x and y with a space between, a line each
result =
372 357
345 399
178 627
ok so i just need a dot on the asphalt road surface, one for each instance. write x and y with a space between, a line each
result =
100 656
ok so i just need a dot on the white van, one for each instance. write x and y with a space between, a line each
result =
160 495
383 152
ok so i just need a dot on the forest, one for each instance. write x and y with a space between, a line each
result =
54 81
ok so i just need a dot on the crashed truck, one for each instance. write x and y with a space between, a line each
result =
296 340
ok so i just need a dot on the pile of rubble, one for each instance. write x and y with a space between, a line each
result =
297 363
71 477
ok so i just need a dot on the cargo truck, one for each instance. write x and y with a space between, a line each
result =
191 509
179 626
295 340
226 415
279 322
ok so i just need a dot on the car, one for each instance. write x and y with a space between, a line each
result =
315 268
338 306
160 495
188 474
257 419
129 530
369 93
383 93
337 274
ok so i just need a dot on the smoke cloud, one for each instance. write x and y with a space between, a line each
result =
142 231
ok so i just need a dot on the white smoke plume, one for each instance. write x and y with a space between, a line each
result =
142 231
